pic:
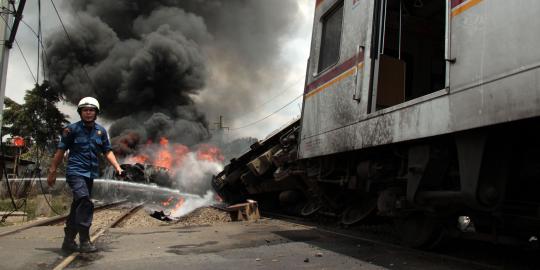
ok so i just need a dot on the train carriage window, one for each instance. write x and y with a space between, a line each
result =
411 50
331 37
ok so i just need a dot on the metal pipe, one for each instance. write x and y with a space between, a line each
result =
400 27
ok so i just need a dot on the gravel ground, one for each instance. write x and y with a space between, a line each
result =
203 216
104 218
142 219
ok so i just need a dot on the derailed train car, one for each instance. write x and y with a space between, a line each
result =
425 111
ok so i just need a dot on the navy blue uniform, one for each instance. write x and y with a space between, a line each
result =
84 145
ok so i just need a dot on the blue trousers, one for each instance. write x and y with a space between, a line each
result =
82 208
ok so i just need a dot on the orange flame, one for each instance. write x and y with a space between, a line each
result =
138 159
163 141
164 157
178 205
180 152
18 141
171 156
209 153
167 202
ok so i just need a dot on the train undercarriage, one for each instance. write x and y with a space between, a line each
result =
479 183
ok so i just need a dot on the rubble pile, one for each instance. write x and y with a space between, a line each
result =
204 216
103 218
141 219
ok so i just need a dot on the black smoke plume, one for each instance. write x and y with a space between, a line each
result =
148 62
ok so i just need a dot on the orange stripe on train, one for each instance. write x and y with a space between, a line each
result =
463 5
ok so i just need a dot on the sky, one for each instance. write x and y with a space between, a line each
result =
293 53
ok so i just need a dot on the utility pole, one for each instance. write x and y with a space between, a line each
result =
221 128
7 11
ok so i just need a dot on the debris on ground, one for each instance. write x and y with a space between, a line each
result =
142 219
204 216
160 215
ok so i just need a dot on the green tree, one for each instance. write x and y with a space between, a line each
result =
38 120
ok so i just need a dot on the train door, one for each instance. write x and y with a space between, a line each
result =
336 76
410 43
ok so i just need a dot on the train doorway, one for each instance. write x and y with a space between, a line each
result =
410 47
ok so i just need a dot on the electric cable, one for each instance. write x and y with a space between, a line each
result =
21 51
39 39
71 43
266 117
38 159
36 79
4 170
38 172
286 89
43 51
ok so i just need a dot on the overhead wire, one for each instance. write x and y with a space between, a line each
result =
37 171
14 205
23 202
21 51
274 97
38 40
71 42
269 115
43 51
286 89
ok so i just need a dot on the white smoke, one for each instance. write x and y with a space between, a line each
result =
194 175
192 203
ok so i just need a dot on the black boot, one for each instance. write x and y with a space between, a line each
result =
69 243
84 238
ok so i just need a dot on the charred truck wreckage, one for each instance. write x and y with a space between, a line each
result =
422 112
147 174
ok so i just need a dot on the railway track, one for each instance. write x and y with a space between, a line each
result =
59 219
98 233
476 255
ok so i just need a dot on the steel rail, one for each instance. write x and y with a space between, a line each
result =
57 219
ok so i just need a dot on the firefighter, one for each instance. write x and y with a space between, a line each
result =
84 140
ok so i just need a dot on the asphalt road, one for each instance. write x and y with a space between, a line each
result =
266 244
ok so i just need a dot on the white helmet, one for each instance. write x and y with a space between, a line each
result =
88 102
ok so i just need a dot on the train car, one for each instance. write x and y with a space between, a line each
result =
424 111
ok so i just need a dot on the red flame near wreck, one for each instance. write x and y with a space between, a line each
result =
172 155
164 157
167 202
209 153
177 206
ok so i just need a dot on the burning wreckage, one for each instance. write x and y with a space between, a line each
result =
147 173
169 164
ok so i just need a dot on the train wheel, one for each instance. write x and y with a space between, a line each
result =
420 231
359 210
311 207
